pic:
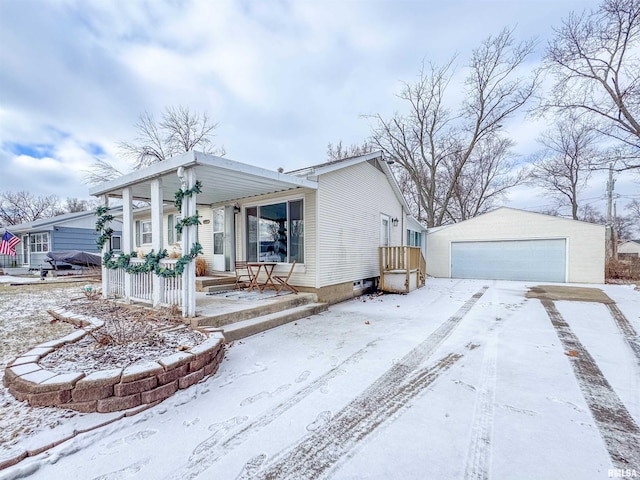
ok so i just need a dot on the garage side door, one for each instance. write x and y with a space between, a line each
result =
534 260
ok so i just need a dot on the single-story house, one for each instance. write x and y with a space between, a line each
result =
69 231
629 249
512 244
331 219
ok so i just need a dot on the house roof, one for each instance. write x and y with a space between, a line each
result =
47 223
328 167
226 180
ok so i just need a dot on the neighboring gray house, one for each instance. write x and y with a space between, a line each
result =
70 231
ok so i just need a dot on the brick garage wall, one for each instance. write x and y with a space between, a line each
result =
109 390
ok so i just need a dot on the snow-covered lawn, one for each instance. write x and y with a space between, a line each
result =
460 379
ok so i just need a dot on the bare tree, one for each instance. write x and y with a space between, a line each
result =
101 171
568 160
339 151
437 147
487 176
634 212
588 213
73 205
634 209
594 62
180 130
624 226
22 207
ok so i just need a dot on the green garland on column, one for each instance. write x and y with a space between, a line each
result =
151 259
104 217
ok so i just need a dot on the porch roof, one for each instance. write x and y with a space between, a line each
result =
225 180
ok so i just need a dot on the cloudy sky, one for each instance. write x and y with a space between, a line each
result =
282 77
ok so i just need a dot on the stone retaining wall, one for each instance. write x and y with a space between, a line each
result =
108 390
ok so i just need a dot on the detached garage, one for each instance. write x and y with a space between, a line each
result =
510 244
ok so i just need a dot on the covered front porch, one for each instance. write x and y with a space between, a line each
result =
201 182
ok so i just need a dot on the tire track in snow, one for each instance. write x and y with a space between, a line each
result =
628 332
321 450
479 453
215 447
617 427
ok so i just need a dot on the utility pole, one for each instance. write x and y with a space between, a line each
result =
610 240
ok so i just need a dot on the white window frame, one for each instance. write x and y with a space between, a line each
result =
258 205
144 233
37 242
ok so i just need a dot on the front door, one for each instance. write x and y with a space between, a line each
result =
25 251
218 239
384 230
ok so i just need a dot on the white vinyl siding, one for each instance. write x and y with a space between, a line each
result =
584 241
351 202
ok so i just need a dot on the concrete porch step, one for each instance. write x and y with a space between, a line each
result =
271 305
245 328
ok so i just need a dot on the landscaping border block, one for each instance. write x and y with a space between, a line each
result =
138 386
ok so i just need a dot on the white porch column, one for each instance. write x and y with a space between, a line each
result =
104 201
127 235
188 239
157 240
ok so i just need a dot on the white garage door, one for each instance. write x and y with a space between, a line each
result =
534 260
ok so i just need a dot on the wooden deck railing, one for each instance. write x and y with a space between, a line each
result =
402 259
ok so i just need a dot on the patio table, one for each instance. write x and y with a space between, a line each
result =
268 270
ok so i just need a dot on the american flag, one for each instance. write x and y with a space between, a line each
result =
8 243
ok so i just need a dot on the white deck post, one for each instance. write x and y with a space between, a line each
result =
127 235
104 201
188 239
157 240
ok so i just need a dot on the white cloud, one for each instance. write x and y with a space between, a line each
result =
284 78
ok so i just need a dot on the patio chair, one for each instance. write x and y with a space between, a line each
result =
243 275
283 280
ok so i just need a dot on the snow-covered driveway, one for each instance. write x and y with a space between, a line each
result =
460 379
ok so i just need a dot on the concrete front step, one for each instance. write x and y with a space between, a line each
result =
277 304
245 328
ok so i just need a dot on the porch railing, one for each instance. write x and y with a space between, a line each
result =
142 285
116 282
403 259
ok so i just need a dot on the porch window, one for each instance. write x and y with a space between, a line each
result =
39 242
275 233
143 232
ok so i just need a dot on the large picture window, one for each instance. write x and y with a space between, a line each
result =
275 233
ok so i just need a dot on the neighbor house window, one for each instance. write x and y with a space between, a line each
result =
39 242
275 233
116 243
